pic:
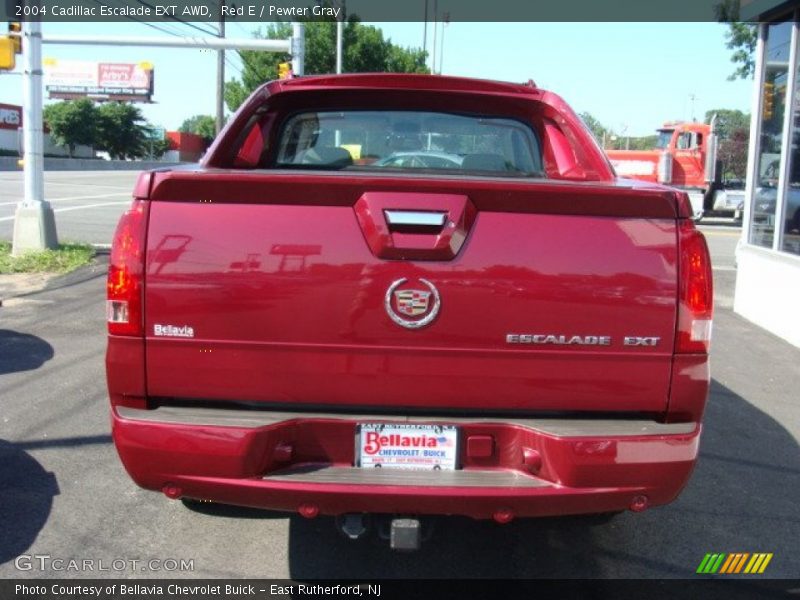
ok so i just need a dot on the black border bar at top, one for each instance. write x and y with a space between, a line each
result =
390 10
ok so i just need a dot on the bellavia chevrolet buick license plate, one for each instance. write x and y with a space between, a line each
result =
407 446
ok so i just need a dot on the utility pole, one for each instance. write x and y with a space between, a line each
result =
339 46
340 34
34 222
298 48
220 122
445 23
435 17
425 30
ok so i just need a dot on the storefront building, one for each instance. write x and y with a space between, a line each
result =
768 257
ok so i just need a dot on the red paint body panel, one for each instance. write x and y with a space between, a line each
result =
279 281
310 327
230 464
125 368
690 385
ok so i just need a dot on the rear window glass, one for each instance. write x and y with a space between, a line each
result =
409 141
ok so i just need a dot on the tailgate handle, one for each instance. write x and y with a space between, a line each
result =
399 219
414 225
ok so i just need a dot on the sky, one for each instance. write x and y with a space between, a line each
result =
631 76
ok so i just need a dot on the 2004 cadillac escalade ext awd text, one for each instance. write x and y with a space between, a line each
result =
408 295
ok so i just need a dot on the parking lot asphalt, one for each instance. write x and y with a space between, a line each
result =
64 493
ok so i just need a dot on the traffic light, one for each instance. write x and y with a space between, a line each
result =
15 33
769 101
284 70
7 56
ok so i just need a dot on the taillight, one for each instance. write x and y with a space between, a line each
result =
126 273
696 297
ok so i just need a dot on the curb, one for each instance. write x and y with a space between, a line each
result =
96 268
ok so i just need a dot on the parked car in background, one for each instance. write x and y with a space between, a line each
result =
421 160
764 204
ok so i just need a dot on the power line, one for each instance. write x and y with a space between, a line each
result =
154 26
241 27
231 64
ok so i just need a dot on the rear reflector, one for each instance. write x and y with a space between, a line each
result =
696 298
126 273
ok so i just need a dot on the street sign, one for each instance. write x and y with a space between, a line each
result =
156 133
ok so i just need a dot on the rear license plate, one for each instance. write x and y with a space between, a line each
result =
407 446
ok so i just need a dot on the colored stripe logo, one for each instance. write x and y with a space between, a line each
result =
733 563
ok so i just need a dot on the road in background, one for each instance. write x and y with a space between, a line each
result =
87 204
722 240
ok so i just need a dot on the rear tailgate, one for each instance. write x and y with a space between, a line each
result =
272 288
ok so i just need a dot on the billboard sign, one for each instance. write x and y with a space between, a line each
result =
102 81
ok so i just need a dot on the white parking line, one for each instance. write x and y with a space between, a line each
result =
68 208
82 206
726 268
67 198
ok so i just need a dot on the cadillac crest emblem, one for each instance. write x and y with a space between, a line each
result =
401 303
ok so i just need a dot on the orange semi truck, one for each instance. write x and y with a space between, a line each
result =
685 157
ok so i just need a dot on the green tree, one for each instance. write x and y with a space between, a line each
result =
365 50
157 148
600 131
733 131
646 142
727 121
72 123
203 125
121 131
732 153
741 38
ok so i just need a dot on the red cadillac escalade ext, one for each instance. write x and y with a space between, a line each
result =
408 295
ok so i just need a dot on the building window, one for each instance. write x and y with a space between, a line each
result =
791 207
776 76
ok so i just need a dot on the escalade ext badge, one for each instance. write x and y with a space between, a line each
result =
413 303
